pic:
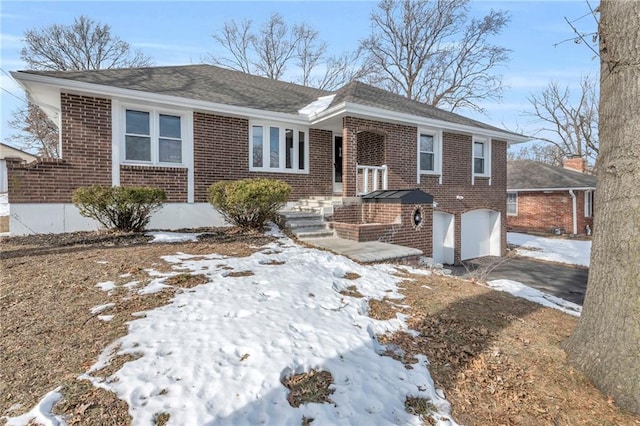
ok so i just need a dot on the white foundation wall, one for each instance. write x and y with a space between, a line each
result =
56 218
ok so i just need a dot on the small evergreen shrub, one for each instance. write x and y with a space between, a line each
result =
118 207
249 203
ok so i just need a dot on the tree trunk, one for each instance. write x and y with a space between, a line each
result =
606 342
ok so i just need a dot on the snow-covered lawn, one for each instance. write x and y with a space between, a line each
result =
217 354
574 252
520 290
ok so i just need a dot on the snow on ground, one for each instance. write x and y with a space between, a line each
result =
41 413
106 286
575 252
520 290
172 237
218 352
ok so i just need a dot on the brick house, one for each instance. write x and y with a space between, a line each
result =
545 198
184 127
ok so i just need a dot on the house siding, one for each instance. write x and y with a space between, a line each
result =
86 149
221 152
544 212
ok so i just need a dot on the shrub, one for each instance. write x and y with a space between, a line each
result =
118 207
249 203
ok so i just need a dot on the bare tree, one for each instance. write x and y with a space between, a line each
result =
606 342
570 125
277 50
36 132
431 51
540 151
83 45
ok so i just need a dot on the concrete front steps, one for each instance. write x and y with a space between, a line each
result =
318 204
305 224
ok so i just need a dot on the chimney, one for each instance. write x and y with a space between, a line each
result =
575 162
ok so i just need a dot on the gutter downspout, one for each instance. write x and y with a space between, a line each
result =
575 218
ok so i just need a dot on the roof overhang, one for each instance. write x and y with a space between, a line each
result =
45 92
38 85
358 110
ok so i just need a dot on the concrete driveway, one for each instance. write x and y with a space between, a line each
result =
567 282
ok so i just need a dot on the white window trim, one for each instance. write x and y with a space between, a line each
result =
282 146
516 203
487 158
118 116
437 157
587 213
155 113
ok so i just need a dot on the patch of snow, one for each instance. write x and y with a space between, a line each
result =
155 286
41 413
131 284
106 286
99 308
288 319
128 274
520 290
575 252
105 317
172 237
102 262
317 106
4 204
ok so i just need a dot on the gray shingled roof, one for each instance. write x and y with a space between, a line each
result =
364 94
224 86
527 174
202 82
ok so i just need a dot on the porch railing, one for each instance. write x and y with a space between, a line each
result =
370 178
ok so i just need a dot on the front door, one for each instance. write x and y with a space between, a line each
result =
337 164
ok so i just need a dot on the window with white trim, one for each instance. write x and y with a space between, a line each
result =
153 137
512 204
481 157
429 152
278 148
588 203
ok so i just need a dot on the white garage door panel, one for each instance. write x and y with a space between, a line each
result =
480 234
443 237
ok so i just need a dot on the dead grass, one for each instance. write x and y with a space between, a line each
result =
498 358
351 276
309 387
421 407
49 336
240 274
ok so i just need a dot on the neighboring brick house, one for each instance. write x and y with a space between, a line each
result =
545 198
183 128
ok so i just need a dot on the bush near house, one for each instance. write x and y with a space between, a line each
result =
249 203
120 208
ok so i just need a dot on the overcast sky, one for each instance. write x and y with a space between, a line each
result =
175 33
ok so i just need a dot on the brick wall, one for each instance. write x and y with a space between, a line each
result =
172 179
86 150
221 152
542 212
371 149
401 158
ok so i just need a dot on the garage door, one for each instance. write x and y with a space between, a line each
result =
480 234
443 237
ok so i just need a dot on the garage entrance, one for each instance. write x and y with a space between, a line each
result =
480 234
443 238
